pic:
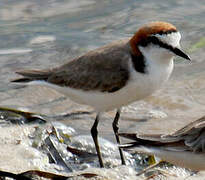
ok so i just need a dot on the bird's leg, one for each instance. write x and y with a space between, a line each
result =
94 133
115 129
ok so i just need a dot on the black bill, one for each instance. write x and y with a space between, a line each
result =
180 53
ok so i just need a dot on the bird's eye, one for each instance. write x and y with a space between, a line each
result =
150 40
155 41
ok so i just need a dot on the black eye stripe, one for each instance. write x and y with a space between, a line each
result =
166 32
156 41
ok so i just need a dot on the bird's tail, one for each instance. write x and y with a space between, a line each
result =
32 75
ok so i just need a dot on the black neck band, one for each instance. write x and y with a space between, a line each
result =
139 63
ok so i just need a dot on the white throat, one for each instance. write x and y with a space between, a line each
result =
156 54
159 66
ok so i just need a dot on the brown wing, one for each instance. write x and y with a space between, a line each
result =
105 69
31 75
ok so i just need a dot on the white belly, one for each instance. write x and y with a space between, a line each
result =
103 101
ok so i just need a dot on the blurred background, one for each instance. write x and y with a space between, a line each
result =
48 33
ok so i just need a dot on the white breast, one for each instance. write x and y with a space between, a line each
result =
157 75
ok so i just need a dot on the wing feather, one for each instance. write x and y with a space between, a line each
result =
104 69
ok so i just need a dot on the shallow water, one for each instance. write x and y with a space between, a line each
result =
42 34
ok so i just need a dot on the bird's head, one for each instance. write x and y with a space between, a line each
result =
157 40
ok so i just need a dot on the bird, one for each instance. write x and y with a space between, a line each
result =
116 74
185 147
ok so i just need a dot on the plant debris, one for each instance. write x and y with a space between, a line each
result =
15 116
